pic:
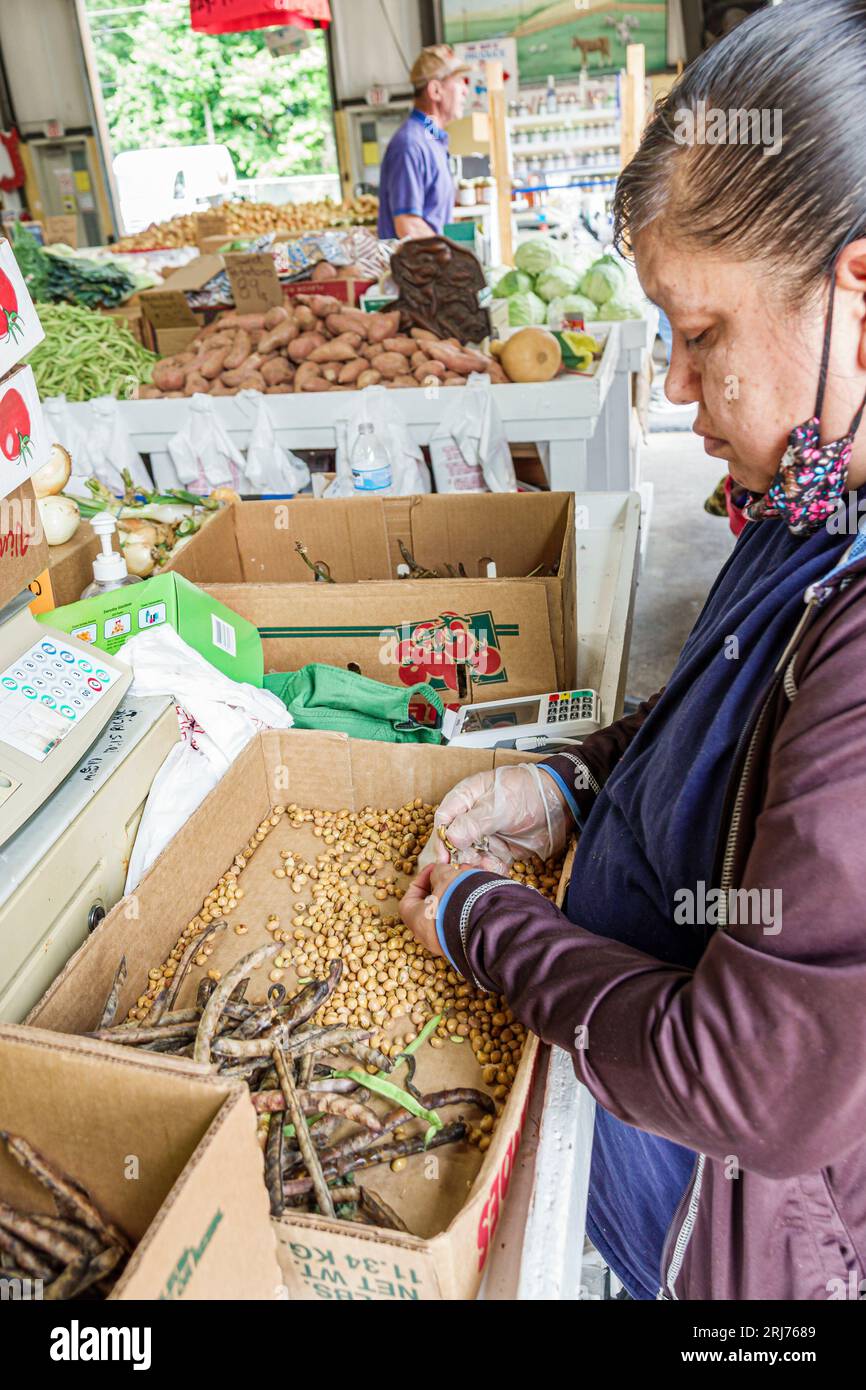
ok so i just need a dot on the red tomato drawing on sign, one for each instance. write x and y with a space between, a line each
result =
10 326
15 427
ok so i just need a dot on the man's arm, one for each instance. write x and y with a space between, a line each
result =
408 225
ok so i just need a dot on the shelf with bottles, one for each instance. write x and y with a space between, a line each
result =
553 138
603 161
602 179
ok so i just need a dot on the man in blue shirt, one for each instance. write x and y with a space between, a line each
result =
416 190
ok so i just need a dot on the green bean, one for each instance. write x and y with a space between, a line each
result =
86 354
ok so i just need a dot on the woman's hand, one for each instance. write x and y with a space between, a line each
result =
420 903
493 818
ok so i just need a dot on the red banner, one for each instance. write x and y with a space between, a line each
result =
235 16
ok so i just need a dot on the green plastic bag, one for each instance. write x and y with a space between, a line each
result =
327 697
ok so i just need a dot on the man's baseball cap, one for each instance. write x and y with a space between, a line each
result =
436 63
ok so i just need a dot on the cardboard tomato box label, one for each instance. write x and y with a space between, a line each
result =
20 329
24 442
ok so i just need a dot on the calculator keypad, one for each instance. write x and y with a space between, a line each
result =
569 706
46 691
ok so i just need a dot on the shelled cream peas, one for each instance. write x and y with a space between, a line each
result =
340 910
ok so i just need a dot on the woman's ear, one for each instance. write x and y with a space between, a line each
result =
851 275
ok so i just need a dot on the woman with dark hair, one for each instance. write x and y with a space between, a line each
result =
709 976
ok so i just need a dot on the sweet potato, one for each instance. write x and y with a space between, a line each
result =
406 346
149 393
382 326
285 388
277 372
301 348
461 361
404 380
219 388
317 383
350 371
429 371
368 378
196 384
253 381
307 371
423 335
330 372
321 305
279 337
390 364
235 320
420 359
168 378
274 317
497 374
305 320
213 363
173 395
240 350
454 379
353 339
369 350
325 271
348 321
333 352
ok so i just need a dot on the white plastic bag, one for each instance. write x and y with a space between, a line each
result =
203 453
270 469
218 717
64 426
378 406
109 449
469 449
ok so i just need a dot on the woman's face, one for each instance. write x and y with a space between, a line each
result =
739 351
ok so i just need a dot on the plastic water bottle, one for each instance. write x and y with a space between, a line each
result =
371 465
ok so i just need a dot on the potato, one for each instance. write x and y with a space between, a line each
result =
213 363
368 378
350 371
406 346
278 372
325 271
333 352
240 350
274 317
278 337
390 364
301 348
168 378
382 326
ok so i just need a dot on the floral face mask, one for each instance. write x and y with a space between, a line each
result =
812 476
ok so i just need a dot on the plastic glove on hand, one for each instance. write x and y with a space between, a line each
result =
493 818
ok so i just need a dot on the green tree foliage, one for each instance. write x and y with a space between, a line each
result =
165 85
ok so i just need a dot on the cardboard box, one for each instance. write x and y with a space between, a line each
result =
194 1203
168 322
518 635
349 292
20 329
24 441
214 631
454 1217
23 547
71 565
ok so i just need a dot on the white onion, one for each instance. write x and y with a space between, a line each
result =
53 476
60 518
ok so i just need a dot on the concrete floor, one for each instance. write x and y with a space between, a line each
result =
687 548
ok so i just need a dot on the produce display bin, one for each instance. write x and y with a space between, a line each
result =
563 415
194 1205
